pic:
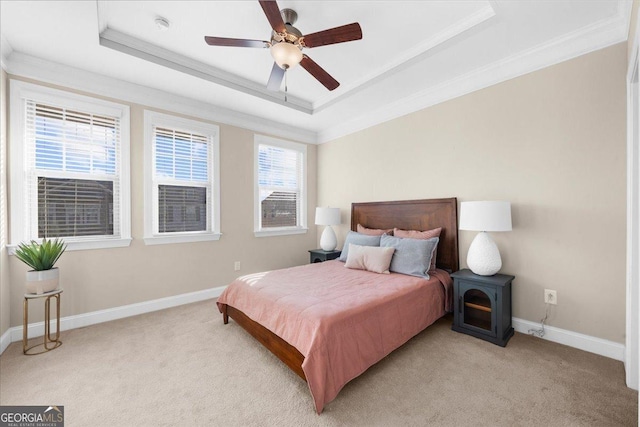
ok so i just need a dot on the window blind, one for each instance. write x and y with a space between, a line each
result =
279 180
74 207
181 155
73 174
181 208
182 180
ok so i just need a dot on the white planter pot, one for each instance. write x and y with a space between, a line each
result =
39 282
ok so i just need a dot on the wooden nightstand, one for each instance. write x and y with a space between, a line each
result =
482 306
319 255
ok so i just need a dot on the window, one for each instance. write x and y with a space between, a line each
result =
280 193
182 202
69 168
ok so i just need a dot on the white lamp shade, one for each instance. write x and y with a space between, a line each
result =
286 55
327 216
485 216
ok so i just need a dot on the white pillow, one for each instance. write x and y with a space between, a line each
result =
370 258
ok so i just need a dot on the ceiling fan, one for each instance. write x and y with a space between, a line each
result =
287 42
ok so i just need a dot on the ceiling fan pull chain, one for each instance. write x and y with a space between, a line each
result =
285 85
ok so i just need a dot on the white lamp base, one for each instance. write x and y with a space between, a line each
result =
328 241
483 257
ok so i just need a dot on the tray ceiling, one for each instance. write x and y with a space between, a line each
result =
413 54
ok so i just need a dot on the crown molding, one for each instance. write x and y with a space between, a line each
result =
585 40
408 58
588 39
5 51
146 51
624 12
149 52
74 78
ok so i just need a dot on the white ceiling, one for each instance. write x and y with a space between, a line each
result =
413 54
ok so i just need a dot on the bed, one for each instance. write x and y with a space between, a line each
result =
329 323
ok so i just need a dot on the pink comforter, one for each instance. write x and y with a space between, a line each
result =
342 321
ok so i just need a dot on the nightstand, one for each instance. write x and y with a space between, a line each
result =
319 255
482 306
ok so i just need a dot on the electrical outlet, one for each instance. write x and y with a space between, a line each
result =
550 297
236 266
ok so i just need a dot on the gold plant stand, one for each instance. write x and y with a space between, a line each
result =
49 343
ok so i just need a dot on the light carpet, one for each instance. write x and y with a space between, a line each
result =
183 367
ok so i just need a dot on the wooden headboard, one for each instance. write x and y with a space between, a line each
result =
415 215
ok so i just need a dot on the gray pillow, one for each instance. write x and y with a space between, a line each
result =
411 256
357 239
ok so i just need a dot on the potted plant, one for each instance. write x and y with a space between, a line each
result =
41 257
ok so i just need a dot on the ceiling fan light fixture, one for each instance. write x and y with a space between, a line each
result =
287 42
286 55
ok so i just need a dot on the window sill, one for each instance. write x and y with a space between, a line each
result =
181 238
87 245
280 232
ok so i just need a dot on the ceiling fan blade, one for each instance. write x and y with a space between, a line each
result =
223 41
275 79
319 73
345 33
271 9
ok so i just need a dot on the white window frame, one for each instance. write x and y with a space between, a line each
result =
151 234
301 228
3 174
19 221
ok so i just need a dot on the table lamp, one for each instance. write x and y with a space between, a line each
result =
484 257
328 217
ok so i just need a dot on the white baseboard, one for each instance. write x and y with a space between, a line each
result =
588 343
5 340
81 320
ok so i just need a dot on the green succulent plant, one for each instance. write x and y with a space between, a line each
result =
41 256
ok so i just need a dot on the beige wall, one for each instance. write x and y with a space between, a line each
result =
107 278
553 143
5 302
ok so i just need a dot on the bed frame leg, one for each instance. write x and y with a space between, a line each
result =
225 315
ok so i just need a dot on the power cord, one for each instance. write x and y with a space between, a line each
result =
540 332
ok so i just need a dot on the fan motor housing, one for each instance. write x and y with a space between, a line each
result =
289 16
